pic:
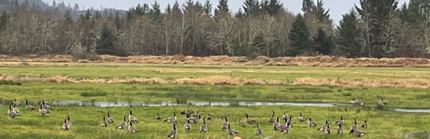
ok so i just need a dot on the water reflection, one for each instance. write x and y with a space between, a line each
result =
207 103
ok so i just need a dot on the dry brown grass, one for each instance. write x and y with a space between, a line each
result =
315 61
407 83
226 80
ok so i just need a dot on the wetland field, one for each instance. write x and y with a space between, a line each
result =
186 86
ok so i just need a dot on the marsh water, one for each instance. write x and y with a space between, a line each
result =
214 103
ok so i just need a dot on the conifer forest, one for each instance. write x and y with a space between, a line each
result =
372 28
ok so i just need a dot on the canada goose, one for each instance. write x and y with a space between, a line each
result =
65 125
190 111
15 109
45 106
231 131
311 123
131 118
68 121
322 127
195 119
197 114
172 133
187 125
354 126
104 123
109 119
327 129
16 102
356 102
54 103
340 121
203 127
209 117
11 113
42 110
225 124
258 130
290 121
184 112
29 107
122 124
359 133
249 120
285 115
339 129
158 117
301 118
171 118
272 119
285 128
364 124
131 128
276 124
284 124
241 123
382 103
222 116
187 117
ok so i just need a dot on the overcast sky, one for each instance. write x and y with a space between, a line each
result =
337 7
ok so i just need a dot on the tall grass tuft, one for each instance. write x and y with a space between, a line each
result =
8 82
33 136
94 93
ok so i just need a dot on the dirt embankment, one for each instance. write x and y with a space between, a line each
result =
315 61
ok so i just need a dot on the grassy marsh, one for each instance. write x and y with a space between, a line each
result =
86 122
168 71
405 97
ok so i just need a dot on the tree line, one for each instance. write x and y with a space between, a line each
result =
372 28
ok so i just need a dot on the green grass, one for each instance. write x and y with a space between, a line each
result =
8 82
403 97
110 70
86 122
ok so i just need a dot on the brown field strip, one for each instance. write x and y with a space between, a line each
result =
226 80
315 61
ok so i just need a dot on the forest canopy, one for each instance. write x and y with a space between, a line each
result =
260 27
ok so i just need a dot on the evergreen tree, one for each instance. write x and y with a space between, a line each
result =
207 8
403 13
117 20
76 7
348 37
299 37
155 12
321 13
176 7
3 19
251 7
414 11
271 6
67 17
380 21
222 7
87 15
323 43
107 42
308 6
239 14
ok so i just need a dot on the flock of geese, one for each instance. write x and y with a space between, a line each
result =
276 124
13 112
